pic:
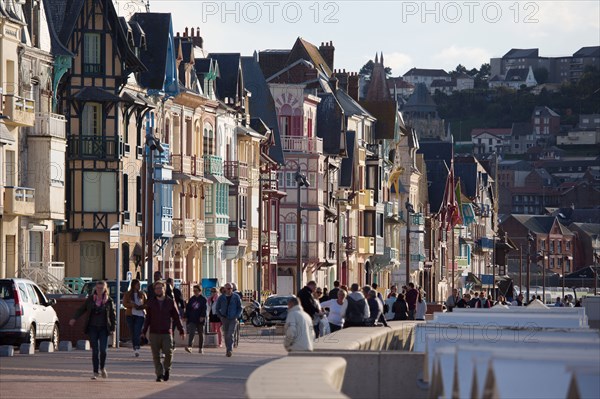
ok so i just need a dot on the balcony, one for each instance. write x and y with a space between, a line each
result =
55 269
379 245
417 219
350 243
363 199
390 253
236 171
200 232
376 150
366 245
188 165
217 228
213 165
163 221
417 258
302 144
184 228
49 125
19 111
19 201
162 158
254 239
94 147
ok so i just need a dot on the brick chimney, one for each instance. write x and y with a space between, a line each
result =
342 77
353 85
197 40
327 50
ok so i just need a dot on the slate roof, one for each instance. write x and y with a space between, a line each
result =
588 52
436 150
495 132
330 122
569 215
54 15
93 93
437 173
350 106
272 61
521 129
307 50
157 27
516 75
420 100
347 167
541 224
229 67
522 53
261 103
426 72
544 111
467 173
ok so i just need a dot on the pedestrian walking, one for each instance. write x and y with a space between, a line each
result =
229 309
99 324
483 302
333 294
389 304
421 307
400 308
375 286
375 310
150 289
308 302
337 310
134 301
411 300
176 295
357 312
213 317
298 330
195 317
452 300
319 315
393 290
161 313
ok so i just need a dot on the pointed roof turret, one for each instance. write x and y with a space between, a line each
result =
376 59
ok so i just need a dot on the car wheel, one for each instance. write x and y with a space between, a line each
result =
55 337
258 320
31 336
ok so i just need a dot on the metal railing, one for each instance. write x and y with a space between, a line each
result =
236 170
94 147
200 230
48 275
213 165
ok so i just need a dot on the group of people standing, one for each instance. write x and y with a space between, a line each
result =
311 314
159 311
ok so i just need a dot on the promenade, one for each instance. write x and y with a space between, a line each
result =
67 374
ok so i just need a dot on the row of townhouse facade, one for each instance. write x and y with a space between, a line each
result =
200 165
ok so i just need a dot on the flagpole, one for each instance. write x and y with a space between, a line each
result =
453 260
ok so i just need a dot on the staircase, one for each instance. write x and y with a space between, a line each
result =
47 275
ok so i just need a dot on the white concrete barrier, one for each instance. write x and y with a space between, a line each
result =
65 346
46 346
591 304
27 349
298 378
7 351
83 345
515 320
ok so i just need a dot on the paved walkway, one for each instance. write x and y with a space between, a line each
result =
67 374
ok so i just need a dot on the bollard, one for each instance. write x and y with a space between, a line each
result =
7 351
47 347
26 349
210 340
65 346
83 345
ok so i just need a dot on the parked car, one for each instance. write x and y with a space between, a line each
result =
26 315
275 309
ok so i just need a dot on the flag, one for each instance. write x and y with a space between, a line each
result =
450 214
394 179
459 208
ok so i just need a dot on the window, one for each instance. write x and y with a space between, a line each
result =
92 53
208 201
312 179
372 177
209 140
568 245
536 121
290 180
138 195
126 192
290 232
285 125
559 246
91 120
312 233
99 190
369 224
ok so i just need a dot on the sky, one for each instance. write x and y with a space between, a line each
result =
431 34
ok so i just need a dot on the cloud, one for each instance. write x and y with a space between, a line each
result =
399 62
470 57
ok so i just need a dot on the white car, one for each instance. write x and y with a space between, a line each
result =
26 315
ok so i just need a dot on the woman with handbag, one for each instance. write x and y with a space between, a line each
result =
99 324
134 301
213 317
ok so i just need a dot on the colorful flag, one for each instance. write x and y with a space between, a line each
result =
459 211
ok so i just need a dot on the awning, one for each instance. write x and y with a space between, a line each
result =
219 179
6 137
92 93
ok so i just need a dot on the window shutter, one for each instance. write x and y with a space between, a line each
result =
296 125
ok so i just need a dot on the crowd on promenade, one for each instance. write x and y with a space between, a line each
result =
482 300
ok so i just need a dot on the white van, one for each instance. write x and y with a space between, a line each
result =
26 315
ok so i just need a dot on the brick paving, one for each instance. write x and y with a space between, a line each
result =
67 374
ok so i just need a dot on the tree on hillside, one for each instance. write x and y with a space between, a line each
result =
367 69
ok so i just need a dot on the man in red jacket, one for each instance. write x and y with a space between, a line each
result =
160 310
411 300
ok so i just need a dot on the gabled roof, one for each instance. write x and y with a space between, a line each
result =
310 52
541 224
330 120
229 79
593 51
516 75
544 111
522 53
347 167
378 85
426 72
63 15
496 132
400 83
261 103
591 229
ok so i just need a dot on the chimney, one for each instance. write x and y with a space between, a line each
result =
353 85
327 50
197 40
186 32
333 83
342 77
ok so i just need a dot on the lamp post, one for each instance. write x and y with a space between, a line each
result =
115 238
153 144
529 241
339 234
300 181
596 259
409 210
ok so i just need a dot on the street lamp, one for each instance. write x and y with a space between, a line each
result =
596 261
301 181
565 260
530 239
543 254
153 144
338 253
409 209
